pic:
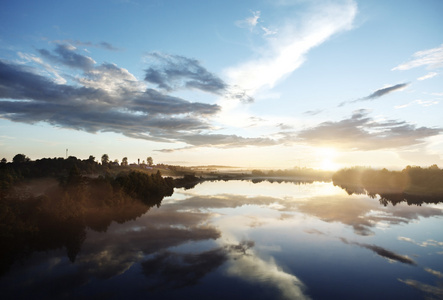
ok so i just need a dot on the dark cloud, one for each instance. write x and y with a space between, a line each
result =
152 101
107 98
65 54
141 114
313 112
384 91
378 93
171 72
360 132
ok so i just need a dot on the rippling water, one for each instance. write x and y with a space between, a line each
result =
238 239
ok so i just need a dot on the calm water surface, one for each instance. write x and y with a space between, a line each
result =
237 239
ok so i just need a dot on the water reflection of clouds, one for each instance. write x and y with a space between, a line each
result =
436 291
430 290
253 269
359 212
289 191
224 220
362 213
390 255
429 242
177 270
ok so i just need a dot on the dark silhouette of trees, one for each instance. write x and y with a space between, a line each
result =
20 158
149 161
59 218
124 161
105 159
414 185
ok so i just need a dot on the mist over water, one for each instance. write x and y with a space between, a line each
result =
229 239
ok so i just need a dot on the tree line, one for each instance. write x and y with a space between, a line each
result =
60 216
413 184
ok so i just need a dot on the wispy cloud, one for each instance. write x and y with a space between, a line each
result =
360 132
386 90
288 48
250 22
431 58
427 76
268 32
417 102
378 93
313 112
102 45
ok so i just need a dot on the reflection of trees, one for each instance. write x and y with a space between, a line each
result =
413 185
59 218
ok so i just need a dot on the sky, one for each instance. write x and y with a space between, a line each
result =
253 84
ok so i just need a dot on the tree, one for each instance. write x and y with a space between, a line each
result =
4 160
116 161
91 159
150 161
124 161
20 158
105 159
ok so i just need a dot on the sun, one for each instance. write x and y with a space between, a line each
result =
326 158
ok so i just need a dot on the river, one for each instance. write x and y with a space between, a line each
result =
238 240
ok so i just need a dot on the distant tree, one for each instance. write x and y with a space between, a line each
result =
116 161
124 161
91 159
20 158
150 161
105 159
4 160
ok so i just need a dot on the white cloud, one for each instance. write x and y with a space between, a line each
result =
418 102
268 31
250 22
428 76
432 58
29 57
287 50
112 79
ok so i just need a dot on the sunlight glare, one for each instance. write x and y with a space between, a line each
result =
327 156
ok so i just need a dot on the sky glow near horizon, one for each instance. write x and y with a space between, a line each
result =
269 84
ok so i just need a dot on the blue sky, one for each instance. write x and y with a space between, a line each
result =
272 84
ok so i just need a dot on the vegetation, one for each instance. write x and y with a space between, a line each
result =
414 185
296 173
57 213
